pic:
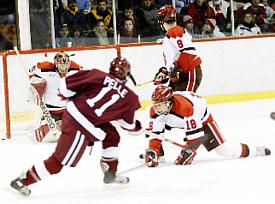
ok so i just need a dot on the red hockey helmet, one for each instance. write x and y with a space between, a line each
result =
120 68
166 13
162 99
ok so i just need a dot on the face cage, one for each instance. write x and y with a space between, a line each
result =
162 108
161 25
62 67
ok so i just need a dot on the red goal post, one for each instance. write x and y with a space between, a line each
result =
17 114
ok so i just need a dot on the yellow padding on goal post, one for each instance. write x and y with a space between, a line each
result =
22 116
229 98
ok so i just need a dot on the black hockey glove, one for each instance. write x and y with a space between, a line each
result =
174 73
162 76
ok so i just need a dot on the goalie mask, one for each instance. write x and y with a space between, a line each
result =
162 99
120 68
62 63
166 14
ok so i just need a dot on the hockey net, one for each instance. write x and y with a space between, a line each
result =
19 114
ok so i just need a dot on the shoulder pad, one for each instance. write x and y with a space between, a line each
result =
45 65
176 31
153 113
182 106
75 65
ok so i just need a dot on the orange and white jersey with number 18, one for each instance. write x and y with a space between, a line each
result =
189 112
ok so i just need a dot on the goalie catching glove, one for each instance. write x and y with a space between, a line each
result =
186 157
39 84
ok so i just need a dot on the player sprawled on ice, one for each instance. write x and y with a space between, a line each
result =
188 111
182 64
181 61
95 98
45 79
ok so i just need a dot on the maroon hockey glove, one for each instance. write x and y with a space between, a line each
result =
186 157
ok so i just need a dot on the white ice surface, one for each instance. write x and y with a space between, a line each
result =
210 179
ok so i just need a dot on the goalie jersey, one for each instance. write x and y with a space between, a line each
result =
47 71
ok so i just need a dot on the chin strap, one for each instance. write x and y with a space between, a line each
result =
133 79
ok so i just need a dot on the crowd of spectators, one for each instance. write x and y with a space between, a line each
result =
135 19
90 22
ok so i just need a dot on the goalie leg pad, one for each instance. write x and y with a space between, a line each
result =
41 132
44 134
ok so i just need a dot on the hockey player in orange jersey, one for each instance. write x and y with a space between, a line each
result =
188 111
181 61
182 65
45 79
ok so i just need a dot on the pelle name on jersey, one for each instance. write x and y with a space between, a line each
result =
114 84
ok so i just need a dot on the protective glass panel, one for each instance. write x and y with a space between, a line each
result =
8 36
40 21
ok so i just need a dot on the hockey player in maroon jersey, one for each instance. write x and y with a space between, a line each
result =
181 60
95 98
188 111
45 78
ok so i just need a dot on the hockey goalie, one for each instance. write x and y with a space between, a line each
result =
44 91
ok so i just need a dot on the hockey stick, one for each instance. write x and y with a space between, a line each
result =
183 146
133 79
46 113
148 82
144 83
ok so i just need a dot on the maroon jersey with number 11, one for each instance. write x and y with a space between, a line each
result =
99 97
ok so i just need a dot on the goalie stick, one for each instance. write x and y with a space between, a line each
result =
53 130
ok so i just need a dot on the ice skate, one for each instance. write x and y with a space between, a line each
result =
263 151
19 186
111 177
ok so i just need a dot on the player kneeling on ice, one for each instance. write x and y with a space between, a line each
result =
186 110
45 79
95 98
